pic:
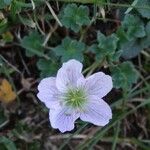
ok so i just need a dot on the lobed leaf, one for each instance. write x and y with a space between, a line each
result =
106 47
124 75
33 44
144 12
75 17
131 49
134 26
109 43
145 42
47 67
70 49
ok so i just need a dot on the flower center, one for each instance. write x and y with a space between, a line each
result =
75 98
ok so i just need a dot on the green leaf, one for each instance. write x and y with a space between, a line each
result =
130 41
33 44
100 54
148 29
134 26
115 57
15 8
106 47
9 145
144 12
131 49
47 67
4 3
93 48
74 17
145 42
107 43
121 34
70 49
124 75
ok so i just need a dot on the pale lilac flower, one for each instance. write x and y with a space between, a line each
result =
70 96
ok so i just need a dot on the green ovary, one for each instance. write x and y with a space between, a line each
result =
75 98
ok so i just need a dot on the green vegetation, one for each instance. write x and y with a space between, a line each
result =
113 36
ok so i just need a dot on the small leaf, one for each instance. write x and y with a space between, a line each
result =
109 43
7 95
93 48
33 44
134 26
145 42
47 67
144 12
106 47
70 49
74 17
121 34
115 57
124 75
131 49
130 41
9 145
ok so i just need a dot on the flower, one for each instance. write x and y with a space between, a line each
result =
70 96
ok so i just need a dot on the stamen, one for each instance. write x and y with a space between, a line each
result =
75 98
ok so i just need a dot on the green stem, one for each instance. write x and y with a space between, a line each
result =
115 139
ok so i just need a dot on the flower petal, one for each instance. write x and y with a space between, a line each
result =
50 102
98 84
48 92
68 74
48 84
63 119
97 112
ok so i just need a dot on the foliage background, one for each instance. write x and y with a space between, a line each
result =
37 36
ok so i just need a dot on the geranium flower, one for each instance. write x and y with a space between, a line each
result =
70 96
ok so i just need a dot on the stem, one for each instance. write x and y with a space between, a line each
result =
115 139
